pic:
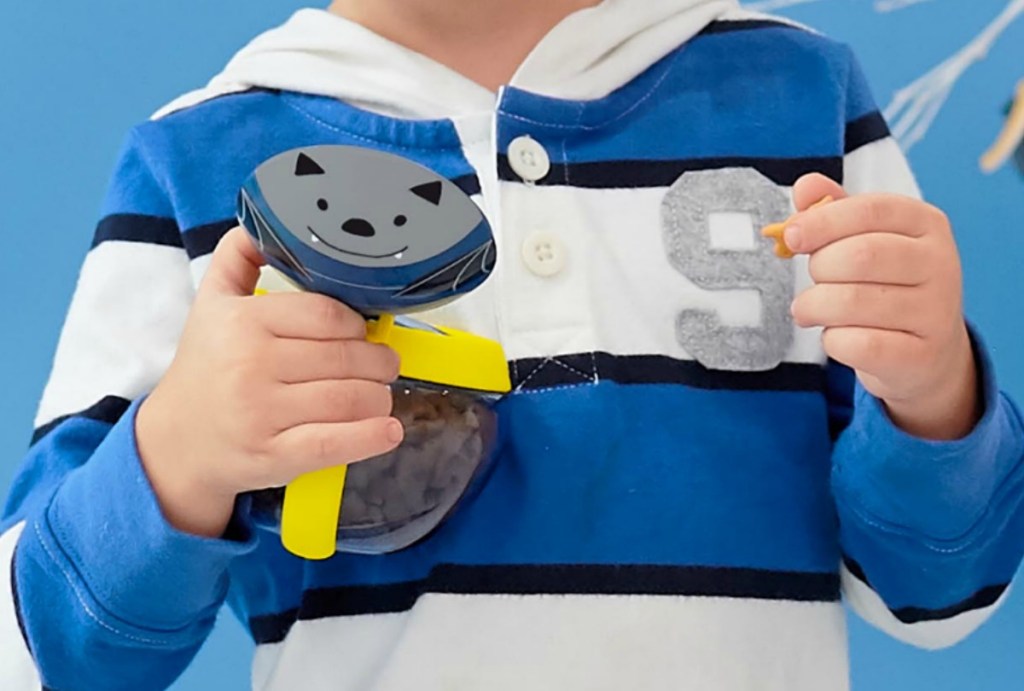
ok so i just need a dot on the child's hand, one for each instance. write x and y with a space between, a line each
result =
262 390
888 292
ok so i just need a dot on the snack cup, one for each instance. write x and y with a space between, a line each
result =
445 399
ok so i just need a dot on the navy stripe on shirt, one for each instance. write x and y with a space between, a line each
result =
984 598
583 579
840 384
202 240
725 26
470 184
568 370
865 130
108 410
631 174
152 230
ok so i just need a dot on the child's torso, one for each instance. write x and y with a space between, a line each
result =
659 515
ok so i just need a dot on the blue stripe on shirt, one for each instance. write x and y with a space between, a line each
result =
762 94
657 475
190 147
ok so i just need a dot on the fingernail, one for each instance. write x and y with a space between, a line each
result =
395 432
793 235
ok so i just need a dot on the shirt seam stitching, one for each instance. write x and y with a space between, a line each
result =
362 138
81 599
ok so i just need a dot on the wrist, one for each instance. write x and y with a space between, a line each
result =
188 502
951 408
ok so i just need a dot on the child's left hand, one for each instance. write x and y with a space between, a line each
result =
888 293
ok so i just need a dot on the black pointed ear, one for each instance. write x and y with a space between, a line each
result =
430 191
304 165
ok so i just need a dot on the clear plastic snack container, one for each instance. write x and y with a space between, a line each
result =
445 398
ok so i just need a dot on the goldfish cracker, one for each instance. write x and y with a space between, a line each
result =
777 231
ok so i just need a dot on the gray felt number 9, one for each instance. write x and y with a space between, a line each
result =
686 213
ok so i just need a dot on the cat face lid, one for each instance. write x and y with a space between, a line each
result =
366 208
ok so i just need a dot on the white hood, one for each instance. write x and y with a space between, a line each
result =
588 55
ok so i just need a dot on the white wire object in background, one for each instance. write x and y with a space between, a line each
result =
893 5
773 5
914 107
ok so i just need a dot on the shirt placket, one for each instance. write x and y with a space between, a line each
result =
543 282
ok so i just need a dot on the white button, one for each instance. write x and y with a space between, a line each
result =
528 159
544 254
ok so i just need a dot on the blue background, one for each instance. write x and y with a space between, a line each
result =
75 76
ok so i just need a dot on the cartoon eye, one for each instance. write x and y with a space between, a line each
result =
321 204
400 220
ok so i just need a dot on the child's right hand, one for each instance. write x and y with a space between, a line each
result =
261 390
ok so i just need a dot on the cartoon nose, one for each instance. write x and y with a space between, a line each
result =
360 227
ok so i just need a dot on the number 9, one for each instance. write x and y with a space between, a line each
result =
686 212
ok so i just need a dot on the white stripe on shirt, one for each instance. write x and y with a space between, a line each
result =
551 643
930 635
122 327
17 670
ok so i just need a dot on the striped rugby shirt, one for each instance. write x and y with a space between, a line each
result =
688 489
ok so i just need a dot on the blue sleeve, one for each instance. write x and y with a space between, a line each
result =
931 531
105 593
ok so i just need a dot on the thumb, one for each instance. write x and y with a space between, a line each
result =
235 266
812 188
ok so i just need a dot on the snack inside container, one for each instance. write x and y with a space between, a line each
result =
445 398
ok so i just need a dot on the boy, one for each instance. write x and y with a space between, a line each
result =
694 468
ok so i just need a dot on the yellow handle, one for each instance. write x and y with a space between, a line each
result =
1010 138
312 502
379 330
309 516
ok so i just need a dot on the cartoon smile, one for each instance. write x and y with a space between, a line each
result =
394 253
